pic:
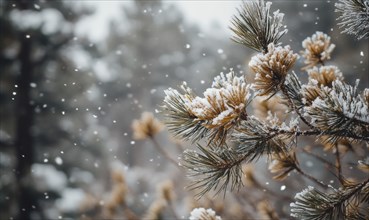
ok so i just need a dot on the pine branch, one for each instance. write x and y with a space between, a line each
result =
213 169
179 119
340 111
213 116
271 69
318 48
316 132
254 139
354 17
313 204
255 28
291 90
327 105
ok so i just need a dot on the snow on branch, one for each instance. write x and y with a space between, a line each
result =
354 17
255 28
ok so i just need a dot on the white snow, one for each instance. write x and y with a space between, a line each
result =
302 194
201 213
222 115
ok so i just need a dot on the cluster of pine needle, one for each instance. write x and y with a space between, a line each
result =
229 135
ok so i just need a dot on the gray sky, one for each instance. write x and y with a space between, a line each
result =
202 12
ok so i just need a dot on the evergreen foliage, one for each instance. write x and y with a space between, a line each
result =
354 17
326 108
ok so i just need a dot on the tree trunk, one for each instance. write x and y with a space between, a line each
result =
24 148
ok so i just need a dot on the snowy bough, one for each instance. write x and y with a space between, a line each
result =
228 135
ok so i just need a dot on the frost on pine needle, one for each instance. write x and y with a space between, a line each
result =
271 69
341 111
255 138
325 75
310 92
179 118
318 49
354 17
213 168
340 204
255 27
319 77
292 92
215 114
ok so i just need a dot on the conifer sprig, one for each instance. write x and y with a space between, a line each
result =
179 119
354 17
339 111
255 139
213 116
335 113
341 204
213 168
255 28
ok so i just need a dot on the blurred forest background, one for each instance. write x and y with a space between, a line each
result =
67 102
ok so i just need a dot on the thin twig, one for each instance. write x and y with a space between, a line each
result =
302 117
338 164
317 132
163 152
311 178
317 156
284 91
358 188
